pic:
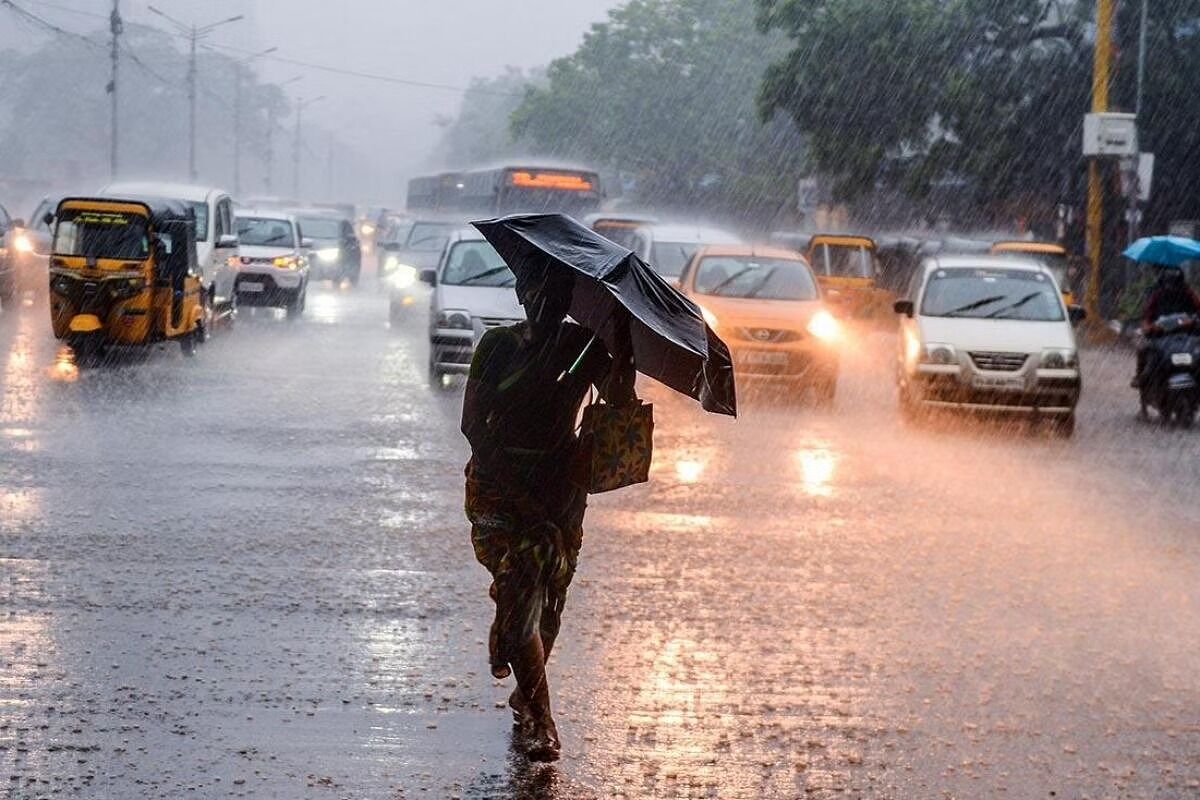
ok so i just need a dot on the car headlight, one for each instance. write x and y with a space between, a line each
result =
402 276
329 254
1059 358
824 326
454 319
287 262
22 243
937 353
367 229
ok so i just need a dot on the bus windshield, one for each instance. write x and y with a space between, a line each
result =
102 234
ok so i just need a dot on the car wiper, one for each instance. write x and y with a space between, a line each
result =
1014 306
275 238
717 289
470 279
758 287
977 304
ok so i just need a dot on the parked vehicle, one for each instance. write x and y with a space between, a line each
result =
472 292
272 264
1171 383
125 272
216 239
336 254
766 305
989 334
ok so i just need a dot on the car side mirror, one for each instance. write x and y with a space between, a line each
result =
429 276
48 219
18 223
904 307
227 242
306 244
1076 314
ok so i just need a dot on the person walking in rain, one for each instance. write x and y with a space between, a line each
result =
527 477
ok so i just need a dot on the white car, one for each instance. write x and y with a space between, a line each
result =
669 248
988 333
272 261
472 292
216 239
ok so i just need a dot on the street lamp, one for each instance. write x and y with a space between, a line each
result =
296 142
271 123
237 116
194 34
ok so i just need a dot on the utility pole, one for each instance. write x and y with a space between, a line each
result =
272 122
1101 76
297 142
116 28
237 116
194 34
1141 62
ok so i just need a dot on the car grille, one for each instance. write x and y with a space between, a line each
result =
999 362
767 335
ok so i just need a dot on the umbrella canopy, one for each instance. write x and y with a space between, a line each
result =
1170 251
671 342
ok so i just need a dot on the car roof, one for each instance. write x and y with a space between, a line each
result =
183 191
750 250
984 262
265 213
691 233
466 235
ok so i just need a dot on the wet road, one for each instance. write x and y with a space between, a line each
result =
248 576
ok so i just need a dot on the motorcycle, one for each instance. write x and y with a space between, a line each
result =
1171 382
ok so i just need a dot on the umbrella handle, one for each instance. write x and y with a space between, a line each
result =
571 370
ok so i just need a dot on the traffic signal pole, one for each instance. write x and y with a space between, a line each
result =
1101 78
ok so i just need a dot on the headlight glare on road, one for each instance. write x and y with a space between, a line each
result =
22 243
1059 358
328 255
825 327
938 353
454 319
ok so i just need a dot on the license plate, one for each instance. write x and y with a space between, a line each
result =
250 287
765 358
1181 359
1000 384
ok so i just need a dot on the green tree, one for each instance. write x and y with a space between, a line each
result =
663 92
480 132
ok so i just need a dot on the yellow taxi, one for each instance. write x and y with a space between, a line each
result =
766 304
848 270
1053 255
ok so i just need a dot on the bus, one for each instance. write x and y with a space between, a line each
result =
507 189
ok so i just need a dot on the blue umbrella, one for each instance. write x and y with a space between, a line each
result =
1169 251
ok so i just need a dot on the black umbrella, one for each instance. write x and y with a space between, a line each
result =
671 342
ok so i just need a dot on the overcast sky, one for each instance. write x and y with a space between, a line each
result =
433 41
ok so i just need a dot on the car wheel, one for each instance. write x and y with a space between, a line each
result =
296 308
191 341
437 376
825 391
1185 413
910 409
1064 427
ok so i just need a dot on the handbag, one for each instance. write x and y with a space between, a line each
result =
618 442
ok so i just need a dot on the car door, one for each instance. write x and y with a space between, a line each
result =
217 269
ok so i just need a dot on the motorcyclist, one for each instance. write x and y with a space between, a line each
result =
1171 295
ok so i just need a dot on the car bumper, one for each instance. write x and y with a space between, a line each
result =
1054 392
783 363
269 287
452 350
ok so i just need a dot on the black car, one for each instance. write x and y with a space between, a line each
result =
334 252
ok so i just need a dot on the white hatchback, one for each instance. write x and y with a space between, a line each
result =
988 333
272 264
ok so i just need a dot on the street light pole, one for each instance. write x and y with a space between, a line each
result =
1141 63
116 27
237 116
1101 70
194 35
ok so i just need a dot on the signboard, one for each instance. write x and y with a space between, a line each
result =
1110 134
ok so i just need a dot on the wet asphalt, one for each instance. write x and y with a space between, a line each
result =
248 575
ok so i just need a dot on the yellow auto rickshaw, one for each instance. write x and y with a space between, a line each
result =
848 270
1053 255
124 272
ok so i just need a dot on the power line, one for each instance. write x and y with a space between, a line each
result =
29 16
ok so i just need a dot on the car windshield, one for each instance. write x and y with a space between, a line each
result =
320 228
844 261
265 232
395 231
669 258
760 278
1056 263
476 264
428 236
101 234
992 294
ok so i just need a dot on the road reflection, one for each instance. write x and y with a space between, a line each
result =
818 468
